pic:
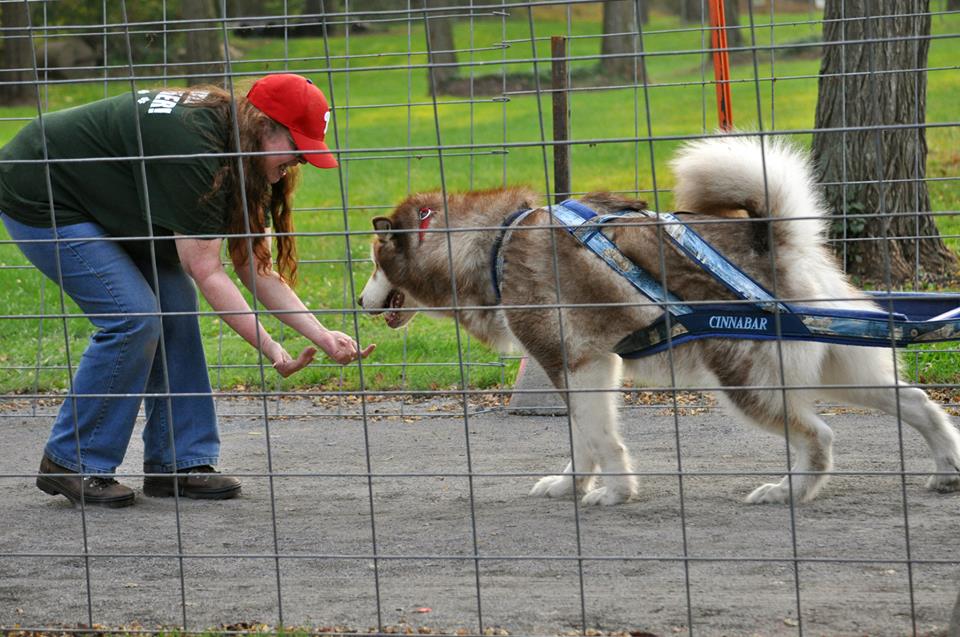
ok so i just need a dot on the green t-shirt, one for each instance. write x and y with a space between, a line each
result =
112 182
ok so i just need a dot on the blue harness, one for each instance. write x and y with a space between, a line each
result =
757 314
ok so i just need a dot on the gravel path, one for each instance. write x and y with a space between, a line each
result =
299 548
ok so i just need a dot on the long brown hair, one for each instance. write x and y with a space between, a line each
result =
256 196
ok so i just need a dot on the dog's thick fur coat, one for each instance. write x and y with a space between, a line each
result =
567 309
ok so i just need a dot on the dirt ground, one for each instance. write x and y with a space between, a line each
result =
423 523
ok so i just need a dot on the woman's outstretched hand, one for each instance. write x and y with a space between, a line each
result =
342 348
337 346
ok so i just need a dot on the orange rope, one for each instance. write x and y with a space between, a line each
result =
721 64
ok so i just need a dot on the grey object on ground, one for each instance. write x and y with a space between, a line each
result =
533 393
954 630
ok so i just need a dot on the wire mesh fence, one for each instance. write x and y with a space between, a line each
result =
391 494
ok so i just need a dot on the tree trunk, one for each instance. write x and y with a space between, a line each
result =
875 178
731 10
439 29
254 20
313 19
620 38
16 72
245 8
318 18
698 12
693 10
204 46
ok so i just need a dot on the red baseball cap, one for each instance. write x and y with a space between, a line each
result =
294 101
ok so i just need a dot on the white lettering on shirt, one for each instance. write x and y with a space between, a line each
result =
195 96
164 101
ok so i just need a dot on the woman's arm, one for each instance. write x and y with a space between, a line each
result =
279 298
200 259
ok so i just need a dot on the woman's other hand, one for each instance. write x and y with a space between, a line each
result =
286 364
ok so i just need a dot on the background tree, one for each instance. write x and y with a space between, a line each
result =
315 18
440 40
16 72
204 43
697 12
620 38
252 14
731 11
874 179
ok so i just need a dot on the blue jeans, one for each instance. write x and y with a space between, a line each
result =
122 362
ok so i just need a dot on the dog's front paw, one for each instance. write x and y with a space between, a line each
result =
553 487
772 493
606 496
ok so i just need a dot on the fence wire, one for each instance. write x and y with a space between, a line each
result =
390 496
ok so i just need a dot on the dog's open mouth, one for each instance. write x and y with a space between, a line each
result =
395 301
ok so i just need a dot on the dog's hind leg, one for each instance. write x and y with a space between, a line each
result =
810 440
874 370
597 444
778 406
932 422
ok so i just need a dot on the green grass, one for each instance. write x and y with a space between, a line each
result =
372 115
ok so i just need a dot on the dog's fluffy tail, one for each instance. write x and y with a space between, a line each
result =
768 177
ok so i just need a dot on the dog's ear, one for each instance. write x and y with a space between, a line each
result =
383 226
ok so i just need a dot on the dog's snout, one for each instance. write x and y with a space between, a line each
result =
372 311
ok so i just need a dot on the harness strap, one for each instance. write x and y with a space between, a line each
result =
496 252
580 221
924 318
694 247
584 223
716 264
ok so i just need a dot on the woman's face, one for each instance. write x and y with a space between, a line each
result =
280 142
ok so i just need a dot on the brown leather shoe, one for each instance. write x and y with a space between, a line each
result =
96 490
200 483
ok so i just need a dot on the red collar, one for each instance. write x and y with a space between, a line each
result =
425 215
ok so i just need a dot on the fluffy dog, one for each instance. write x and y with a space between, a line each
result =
567 309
